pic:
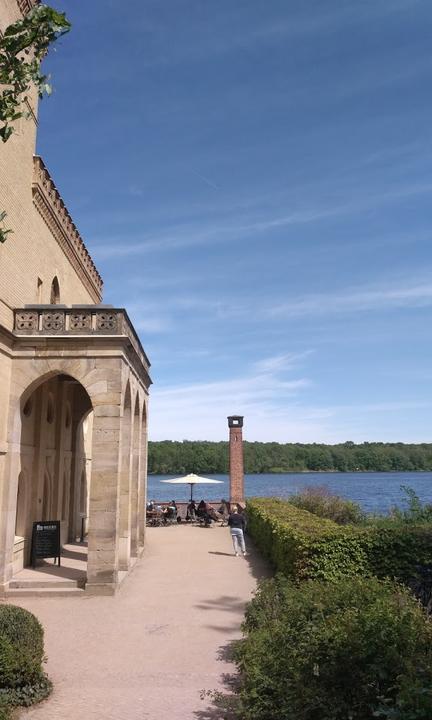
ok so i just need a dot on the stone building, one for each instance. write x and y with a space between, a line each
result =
74 379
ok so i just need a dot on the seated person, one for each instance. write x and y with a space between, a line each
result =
191 512
206 513
210 512
171 511
150 505
223 510
201 509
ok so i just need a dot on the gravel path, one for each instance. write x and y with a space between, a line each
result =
146 653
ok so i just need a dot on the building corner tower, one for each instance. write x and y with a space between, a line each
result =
235 424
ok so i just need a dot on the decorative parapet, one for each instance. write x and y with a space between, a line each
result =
79 320
26 5
51 207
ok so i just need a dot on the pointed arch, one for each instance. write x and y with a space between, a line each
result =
55 291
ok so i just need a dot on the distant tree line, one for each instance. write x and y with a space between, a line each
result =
169 457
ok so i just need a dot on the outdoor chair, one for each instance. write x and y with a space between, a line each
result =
205 520
224 518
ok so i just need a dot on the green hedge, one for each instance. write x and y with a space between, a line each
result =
302 545
22 679
354 649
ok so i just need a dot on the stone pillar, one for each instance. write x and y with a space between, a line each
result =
235 424
104 502
134 487
143 481
125 508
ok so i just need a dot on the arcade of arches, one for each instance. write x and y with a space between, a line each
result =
78 450
74 377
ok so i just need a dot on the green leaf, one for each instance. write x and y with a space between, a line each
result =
19 70
5 133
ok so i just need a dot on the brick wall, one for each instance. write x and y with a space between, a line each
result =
31 252
236 465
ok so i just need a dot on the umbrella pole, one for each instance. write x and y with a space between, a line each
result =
191 492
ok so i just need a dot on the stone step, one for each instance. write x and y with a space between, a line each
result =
42 583
44 592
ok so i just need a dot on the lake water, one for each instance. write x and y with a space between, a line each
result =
376 492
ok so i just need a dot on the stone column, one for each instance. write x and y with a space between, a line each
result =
143 481
104 501
126 466
235 424
135 478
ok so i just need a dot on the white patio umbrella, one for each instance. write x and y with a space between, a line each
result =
192 480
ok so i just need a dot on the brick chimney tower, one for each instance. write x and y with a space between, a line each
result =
235 424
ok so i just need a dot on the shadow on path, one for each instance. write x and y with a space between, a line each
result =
223 702
258 566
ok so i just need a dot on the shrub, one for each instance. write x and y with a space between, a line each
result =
319 501
415 512
305 546
22 680
353 649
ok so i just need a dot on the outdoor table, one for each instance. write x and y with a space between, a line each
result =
154 517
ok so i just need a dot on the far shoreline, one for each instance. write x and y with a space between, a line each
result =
302 472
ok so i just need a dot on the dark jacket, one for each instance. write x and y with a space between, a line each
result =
236 520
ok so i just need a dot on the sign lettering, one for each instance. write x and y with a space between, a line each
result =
45 541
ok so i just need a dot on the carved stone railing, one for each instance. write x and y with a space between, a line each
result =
59 320
51 207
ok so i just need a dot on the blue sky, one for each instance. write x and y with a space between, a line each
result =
253 180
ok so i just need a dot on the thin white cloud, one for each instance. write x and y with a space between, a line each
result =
135 191
199 410
161 316
202 232
356 300
382 407
274 412
205 179
152 324
276 363
242 390
232 34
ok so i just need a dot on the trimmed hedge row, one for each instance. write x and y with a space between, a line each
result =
304 546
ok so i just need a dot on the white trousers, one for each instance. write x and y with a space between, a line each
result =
238 540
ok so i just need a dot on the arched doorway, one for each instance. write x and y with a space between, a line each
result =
53 453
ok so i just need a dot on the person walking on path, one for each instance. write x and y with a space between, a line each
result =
236 523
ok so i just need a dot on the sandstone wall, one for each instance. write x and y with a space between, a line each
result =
32 256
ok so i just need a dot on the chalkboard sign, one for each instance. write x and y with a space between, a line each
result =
45 540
